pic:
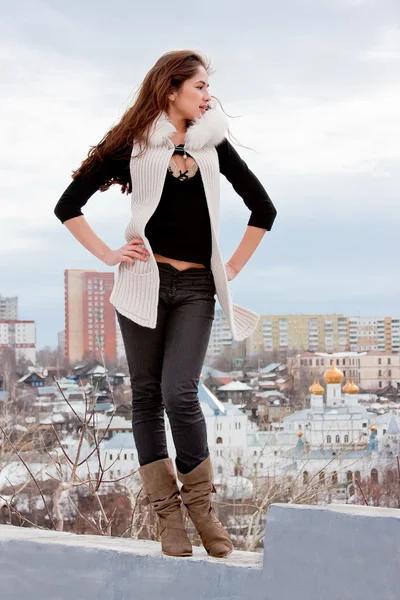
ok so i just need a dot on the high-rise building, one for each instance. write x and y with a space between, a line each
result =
324 333
374 333
221 336
9 308
21 336
89 316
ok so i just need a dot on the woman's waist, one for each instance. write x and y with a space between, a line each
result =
191 278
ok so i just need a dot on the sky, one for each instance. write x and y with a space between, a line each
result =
313 88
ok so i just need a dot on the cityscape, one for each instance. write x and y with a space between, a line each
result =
310 402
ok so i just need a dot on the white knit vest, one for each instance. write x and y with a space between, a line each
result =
135 293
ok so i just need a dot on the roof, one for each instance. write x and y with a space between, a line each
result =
235 386
116 423
393 428
25 377
272 438
207 370
270 367
207 397
307 413
47 389
119 441
385 420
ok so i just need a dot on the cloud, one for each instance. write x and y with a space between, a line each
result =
315 83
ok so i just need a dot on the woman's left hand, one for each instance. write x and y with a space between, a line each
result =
230 272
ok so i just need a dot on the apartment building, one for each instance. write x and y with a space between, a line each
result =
374 333
323 333
221 336
9 308
20 335
90 328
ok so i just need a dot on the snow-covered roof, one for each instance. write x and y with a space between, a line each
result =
117 422
47 390
207 370
386 420
235 386
270 367
119 441
393 428
207 397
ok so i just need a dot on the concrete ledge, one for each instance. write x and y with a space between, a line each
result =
332 553
57 566
311 553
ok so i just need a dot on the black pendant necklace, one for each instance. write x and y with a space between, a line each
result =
180 149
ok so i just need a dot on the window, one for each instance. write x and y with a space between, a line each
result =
337 439
389 361
374 476
357 476
255 453
346 439
305 477
380 373
261 465
379 361
384 431
132 456
111 456
322 477
349 476
389 372
328 439
351 490
364 424
219 440
125 457
219 470
334 478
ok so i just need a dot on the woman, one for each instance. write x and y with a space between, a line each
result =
168 151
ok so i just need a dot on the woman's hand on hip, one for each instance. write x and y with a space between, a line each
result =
230 272
133 250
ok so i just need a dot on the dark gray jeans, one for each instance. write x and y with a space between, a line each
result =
165 365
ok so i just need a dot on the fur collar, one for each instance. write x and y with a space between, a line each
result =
208 130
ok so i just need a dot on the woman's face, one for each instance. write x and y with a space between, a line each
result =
191 100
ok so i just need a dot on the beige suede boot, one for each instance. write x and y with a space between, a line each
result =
196 495
161 489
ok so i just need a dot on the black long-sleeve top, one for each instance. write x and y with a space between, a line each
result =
180 226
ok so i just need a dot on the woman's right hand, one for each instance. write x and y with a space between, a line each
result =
130 252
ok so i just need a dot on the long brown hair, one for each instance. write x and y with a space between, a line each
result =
168 74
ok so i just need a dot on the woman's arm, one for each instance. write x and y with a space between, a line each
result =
248 244
255 197
82 231
69 211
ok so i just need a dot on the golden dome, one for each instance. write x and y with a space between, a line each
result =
353 388
316 388
346 387
333 375
299 434
372 428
